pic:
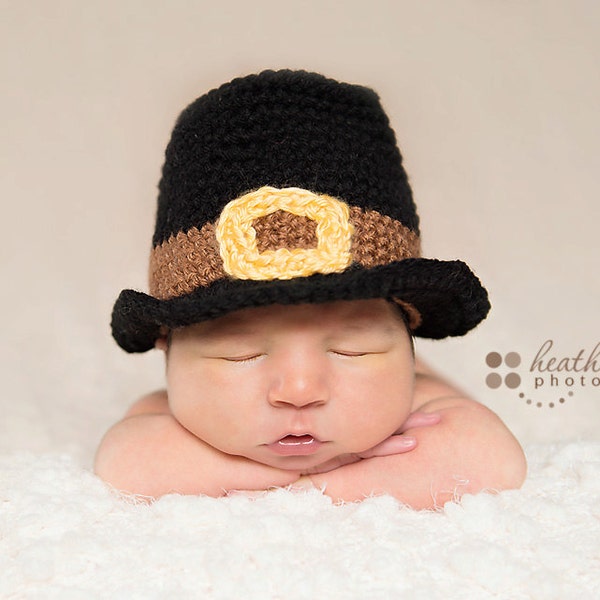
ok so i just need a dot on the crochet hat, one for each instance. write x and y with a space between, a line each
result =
285 188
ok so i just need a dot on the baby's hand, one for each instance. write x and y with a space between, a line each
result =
397 443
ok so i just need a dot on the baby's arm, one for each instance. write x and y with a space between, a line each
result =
149 453
468 451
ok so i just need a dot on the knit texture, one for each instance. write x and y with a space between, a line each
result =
287 187
284 129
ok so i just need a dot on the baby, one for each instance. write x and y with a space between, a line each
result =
286 284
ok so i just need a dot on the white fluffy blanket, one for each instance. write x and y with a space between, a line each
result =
64 534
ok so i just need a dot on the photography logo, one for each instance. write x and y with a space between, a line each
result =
546 379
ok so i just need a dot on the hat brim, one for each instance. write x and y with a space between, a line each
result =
448 296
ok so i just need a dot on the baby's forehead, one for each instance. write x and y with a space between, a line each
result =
348 315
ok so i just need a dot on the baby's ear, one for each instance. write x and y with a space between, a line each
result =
161 343
163 339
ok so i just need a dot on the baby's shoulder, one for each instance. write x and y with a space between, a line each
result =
429 386
152 403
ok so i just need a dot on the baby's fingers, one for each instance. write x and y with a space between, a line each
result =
420 419
395 444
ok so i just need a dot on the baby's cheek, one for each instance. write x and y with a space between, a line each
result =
395 406
373 423
184 410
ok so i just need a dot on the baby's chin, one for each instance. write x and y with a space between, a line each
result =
326 459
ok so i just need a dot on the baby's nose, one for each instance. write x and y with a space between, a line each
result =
300 385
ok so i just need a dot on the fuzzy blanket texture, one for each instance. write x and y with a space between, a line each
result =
66 535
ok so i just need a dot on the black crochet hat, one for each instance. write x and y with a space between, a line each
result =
285 188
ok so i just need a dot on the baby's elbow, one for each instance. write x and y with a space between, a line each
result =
491 458
513 468
504 466
122 458
110 460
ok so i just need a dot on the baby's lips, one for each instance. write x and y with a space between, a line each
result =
295 445
296 440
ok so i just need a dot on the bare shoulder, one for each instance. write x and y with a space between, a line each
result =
155 403
430 386
433 393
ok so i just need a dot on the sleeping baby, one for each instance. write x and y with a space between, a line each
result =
286 285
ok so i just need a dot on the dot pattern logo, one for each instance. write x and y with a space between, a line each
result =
512 360
511 379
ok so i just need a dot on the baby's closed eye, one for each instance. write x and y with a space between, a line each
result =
245 358
350 353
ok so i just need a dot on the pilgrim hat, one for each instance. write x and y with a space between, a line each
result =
287 187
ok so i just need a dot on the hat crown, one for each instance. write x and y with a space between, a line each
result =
282 129
285 188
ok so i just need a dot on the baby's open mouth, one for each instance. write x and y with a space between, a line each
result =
296 440
295 445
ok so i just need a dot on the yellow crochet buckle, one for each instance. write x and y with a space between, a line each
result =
237 237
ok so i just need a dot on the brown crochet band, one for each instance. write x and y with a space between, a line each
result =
279 234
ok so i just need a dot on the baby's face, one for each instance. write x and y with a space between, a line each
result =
293 386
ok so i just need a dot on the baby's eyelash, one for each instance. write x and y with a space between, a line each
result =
349 354
242 359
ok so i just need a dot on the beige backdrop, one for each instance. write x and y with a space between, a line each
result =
495 105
